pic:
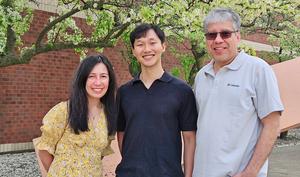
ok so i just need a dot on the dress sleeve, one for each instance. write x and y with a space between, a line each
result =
54 124
108 150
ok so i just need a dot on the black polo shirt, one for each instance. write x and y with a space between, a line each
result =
152 120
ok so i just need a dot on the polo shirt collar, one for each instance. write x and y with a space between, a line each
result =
210 68
166 77
136 78
234 65
237 62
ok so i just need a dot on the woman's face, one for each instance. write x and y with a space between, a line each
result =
97 82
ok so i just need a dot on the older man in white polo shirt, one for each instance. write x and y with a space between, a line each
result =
238 103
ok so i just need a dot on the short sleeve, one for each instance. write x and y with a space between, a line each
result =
267 98
108 150
120 114
188 111
53 127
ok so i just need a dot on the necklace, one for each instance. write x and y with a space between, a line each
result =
95 116
95 111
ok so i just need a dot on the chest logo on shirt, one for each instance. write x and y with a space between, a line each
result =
233 85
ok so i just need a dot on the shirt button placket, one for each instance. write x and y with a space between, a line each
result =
216 83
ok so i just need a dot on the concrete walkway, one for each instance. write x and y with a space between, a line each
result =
285 162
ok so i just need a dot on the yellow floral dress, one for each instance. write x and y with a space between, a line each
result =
74 155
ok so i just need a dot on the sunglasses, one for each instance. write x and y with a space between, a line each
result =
223 34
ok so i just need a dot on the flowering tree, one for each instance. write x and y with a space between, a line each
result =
107 18
182 21
110 20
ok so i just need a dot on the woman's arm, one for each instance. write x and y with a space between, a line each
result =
46 158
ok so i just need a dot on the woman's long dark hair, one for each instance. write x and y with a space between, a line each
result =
78 101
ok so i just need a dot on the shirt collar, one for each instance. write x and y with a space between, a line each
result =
136 78
237 62
234 65
210 68
166 77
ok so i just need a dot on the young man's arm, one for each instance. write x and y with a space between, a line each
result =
189 140
120 136
264 145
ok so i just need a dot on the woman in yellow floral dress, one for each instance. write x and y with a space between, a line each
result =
76 134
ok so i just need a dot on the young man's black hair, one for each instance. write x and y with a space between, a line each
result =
141 31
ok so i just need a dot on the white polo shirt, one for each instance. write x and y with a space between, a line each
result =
230 105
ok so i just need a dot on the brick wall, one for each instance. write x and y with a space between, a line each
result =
28 91
261 38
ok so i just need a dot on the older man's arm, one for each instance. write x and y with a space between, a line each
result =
264 145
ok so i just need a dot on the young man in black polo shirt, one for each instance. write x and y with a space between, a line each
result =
153 109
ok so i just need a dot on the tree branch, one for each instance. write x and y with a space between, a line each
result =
10 41
10 33
29 53
125 4
121 29
87 5
9 59
43 33
207 1
248 25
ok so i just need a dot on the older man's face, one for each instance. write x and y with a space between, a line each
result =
222 42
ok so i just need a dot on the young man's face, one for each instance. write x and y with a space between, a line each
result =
148 49
223 48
